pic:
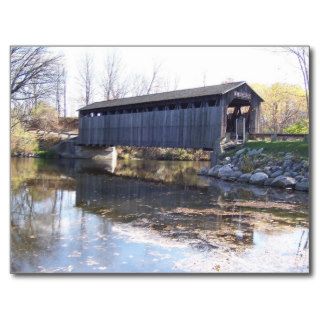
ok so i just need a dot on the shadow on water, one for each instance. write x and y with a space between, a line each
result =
150 216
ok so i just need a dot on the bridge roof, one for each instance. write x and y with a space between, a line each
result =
166 96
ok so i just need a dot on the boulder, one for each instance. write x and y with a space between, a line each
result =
276 174
299 177
240 152
245 177
224 171
275 168
287 163
255 152
258 178
297 167
214 170
283 181
268 182
288 155
227 160
236 174
302 185
203 171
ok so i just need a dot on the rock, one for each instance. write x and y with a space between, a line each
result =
305 163
245 177
240 152
234 161
224 171
268 182
297 167
203 171
302 185
298 177
258 178
275 168
284 182
268 173
236 174
294 174
214 170
257 170
227 160
287 163
276 174
287 174
288 156
252 152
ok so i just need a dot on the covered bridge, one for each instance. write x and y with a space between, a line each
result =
192 118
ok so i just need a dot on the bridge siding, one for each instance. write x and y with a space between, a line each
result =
180 128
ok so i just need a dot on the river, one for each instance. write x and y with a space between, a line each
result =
150 216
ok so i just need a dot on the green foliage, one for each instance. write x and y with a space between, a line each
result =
301 127
46 154
283 106
44 117
22 140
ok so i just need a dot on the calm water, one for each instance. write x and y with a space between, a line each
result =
150 216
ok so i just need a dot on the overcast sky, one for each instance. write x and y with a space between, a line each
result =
188 65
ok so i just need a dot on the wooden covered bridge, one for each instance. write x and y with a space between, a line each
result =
193 118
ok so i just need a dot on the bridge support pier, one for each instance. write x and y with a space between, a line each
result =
214 155
70 149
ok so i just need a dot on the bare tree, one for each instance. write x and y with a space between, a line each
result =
32 79
32 73
114 85
64 92
227 80
204 78
86 79
302 55
59 89
146 85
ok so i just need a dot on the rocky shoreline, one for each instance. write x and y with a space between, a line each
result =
25 155
254 167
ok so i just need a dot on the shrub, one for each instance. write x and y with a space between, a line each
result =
301 127
247 164
22 140
44 117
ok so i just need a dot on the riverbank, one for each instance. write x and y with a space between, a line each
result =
275 164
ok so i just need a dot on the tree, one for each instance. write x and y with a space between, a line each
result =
86 79
32 73
60 90
141 84
302 55
114 85
283 106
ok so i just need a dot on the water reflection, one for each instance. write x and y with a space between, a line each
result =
80 216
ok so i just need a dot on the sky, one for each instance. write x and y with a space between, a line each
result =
190 66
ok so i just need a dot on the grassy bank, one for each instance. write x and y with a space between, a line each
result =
298 148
